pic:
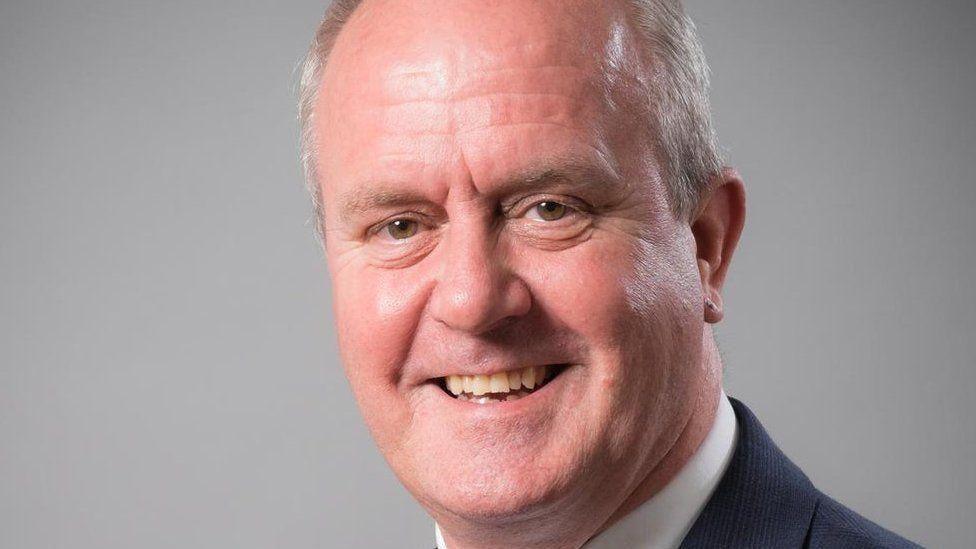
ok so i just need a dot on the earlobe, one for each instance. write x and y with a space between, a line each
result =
713 312
711 297
717 227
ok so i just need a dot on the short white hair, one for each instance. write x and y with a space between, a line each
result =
678 100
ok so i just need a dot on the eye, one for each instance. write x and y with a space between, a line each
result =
401 229
400 241
550 210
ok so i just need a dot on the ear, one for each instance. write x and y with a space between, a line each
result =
717 225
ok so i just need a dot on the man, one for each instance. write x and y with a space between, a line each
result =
527 229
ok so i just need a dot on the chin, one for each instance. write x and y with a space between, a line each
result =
498 501
497 488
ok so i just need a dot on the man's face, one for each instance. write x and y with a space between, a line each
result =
493 202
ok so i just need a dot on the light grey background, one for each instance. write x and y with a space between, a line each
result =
168 373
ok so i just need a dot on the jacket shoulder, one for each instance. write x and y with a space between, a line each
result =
836 526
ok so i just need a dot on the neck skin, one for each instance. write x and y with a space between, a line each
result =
692 435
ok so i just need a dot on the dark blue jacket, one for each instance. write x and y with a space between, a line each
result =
765 501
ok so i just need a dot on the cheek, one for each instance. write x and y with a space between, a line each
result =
603 290
376 315
631 302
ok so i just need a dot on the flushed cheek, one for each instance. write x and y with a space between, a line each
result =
588 288
612 302
377 312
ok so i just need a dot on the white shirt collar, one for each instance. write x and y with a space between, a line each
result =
662 521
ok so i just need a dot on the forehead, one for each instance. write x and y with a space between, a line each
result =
387 41
414 88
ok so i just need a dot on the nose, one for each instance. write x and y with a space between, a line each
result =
476 291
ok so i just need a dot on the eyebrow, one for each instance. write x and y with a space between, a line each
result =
573 171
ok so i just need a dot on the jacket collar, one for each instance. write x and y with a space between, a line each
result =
764 500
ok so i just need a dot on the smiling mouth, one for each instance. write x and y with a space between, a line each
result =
500 386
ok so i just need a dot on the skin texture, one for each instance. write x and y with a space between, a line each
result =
453 119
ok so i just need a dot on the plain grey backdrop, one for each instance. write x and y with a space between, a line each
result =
168 370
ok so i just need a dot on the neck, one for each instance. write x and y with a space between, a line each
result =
696 429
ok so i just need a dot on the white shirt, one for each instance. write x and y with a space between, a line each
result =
662 521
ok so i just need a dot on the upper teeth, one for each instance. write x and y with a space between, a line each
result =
501 382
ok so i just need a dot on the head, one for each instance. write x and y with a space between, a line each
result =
520 194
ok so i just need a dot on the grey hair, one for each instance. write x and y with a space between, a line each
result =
336 16
679 100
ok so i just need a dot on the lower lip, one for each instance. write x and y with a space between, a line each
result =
511 407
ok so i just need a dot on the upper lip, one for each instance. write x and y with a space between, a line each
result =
489 370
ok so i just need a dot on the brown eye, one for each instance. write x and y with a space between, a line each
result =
550 211
401 229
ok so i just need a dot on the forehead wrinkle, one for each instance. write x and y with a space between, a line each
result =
557 97
468 93
429 80
478 113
